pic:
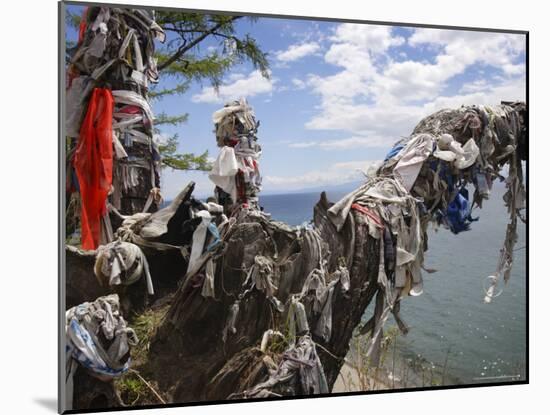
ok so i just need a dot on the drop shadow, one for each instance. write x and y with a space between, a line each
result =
48 403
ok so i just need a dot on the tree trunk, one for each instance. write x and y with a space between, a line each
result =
199 353
188 358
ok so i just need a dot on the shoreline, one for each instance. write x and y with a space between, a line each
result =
395 372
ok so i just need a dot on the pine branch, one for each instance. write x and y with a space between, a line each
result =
164 119
185 47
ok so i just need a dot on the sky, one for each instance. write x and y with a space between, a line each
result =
340 95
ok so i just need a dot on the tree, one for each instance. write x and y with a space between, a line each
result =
195 348
183 59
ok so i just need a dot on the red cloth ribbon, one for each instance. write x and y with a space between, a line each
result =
82 27
93 163
369 213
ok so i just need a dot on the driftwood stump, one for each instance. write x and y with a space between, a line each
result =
188 357
193 356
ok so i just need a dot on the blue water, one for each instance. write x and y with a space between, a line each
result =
449 322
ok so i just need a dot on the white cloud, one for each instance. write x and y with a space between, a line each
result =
513 69
394 120
346 143
304 144
235 76
337 173
356 48
297 51
383 120
413 80
340 87
240 86
475 86
298 83
509 91
474 42
376 39
375 93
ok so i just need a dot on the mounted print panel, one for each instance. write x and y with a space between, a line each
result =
265 207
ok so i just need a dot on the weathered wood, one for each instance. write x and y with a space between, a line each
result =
80 282
193 358
168 267
244 370
92 393
193 327
188 357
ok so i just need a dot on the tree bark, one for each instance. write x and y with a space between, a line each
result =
188 357
193 357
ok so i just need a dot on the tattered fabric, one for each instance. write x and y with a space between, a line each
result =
93 162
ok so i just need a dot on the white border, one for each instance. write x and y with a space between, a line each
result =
29 172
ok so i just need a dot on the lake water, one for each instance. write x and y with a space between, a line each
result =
450 322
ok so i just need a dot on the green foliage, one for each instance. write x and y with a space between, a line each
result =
72 19
211 67
187 161
177 90
248 49
405 372
364 375
133 389
185 59
145 325
165 119
182 57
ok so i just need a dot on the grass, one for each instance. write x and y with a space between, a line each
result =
133 391
393 372
145 326
133 388
367 376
